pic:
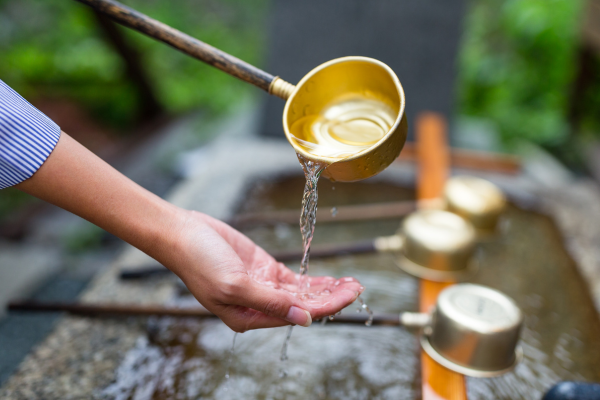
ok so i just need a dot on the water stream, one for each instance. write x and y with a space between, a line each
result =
283 355
308 214
308 218
231 354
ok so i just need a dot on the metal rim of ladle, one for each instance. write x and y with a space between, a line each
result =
431 274
463 369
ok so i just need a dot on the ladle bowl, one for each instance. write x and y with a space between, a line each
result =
437 245
341 79
474 330
477 200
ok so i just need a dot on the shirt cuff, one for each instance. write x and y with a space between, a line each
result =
27 137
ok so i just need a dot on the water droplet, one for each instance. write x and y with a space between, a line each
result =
364 306
331 317
334 212
230 361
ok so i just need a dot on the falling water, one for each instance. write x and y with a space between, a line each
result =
365 306
230 358
308 218
308 215
283 357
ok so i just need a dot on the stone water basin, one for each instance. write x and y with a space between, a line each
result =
186 359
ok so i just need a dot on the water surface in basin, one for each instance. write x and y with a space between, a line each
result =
186 359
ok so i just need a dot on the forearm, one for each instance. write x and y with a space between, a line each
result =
77 180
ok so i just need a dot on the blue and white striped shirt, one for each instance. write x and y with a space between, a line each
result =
27 137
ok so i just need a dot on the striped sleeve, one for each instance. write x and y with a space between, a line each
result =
27 137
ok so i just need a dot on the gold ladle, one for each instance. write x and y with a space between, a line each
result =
335 81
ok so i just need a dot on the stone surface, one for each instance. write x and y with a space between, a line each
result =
19 332
576 210
23 268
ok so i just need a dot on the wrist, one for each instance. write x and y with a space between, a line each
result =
176 238
160 236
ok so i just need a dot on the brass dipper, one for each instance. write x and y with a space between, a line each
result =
338 80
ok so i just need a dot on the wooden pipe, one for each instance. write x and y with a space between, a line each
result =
204 52
365 246
470 159
121 310
361 212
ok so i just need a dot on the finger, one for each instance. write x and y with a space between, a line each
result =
336 284
323 306
242 319
272 302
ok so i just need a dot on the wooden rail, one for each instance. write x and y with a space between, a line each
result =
133 310
433 169
470 159
361 212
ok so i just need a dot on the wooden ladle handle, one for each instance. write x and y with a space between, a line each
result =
191 46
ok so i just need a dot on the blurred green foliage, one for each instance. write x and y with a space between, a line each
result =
517 65
54 48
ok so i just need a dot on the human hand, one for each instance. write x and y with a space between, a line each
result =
243 285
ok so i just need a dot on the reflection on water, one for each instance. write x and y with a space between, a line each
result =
344 128
186 359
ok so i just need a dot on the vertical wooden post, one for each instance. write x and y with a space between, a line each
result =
439 383
149 106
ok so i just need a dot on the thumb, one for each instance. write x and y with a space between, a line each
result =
273 302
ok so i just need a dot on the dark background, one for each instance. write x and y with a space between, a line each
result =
418 39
